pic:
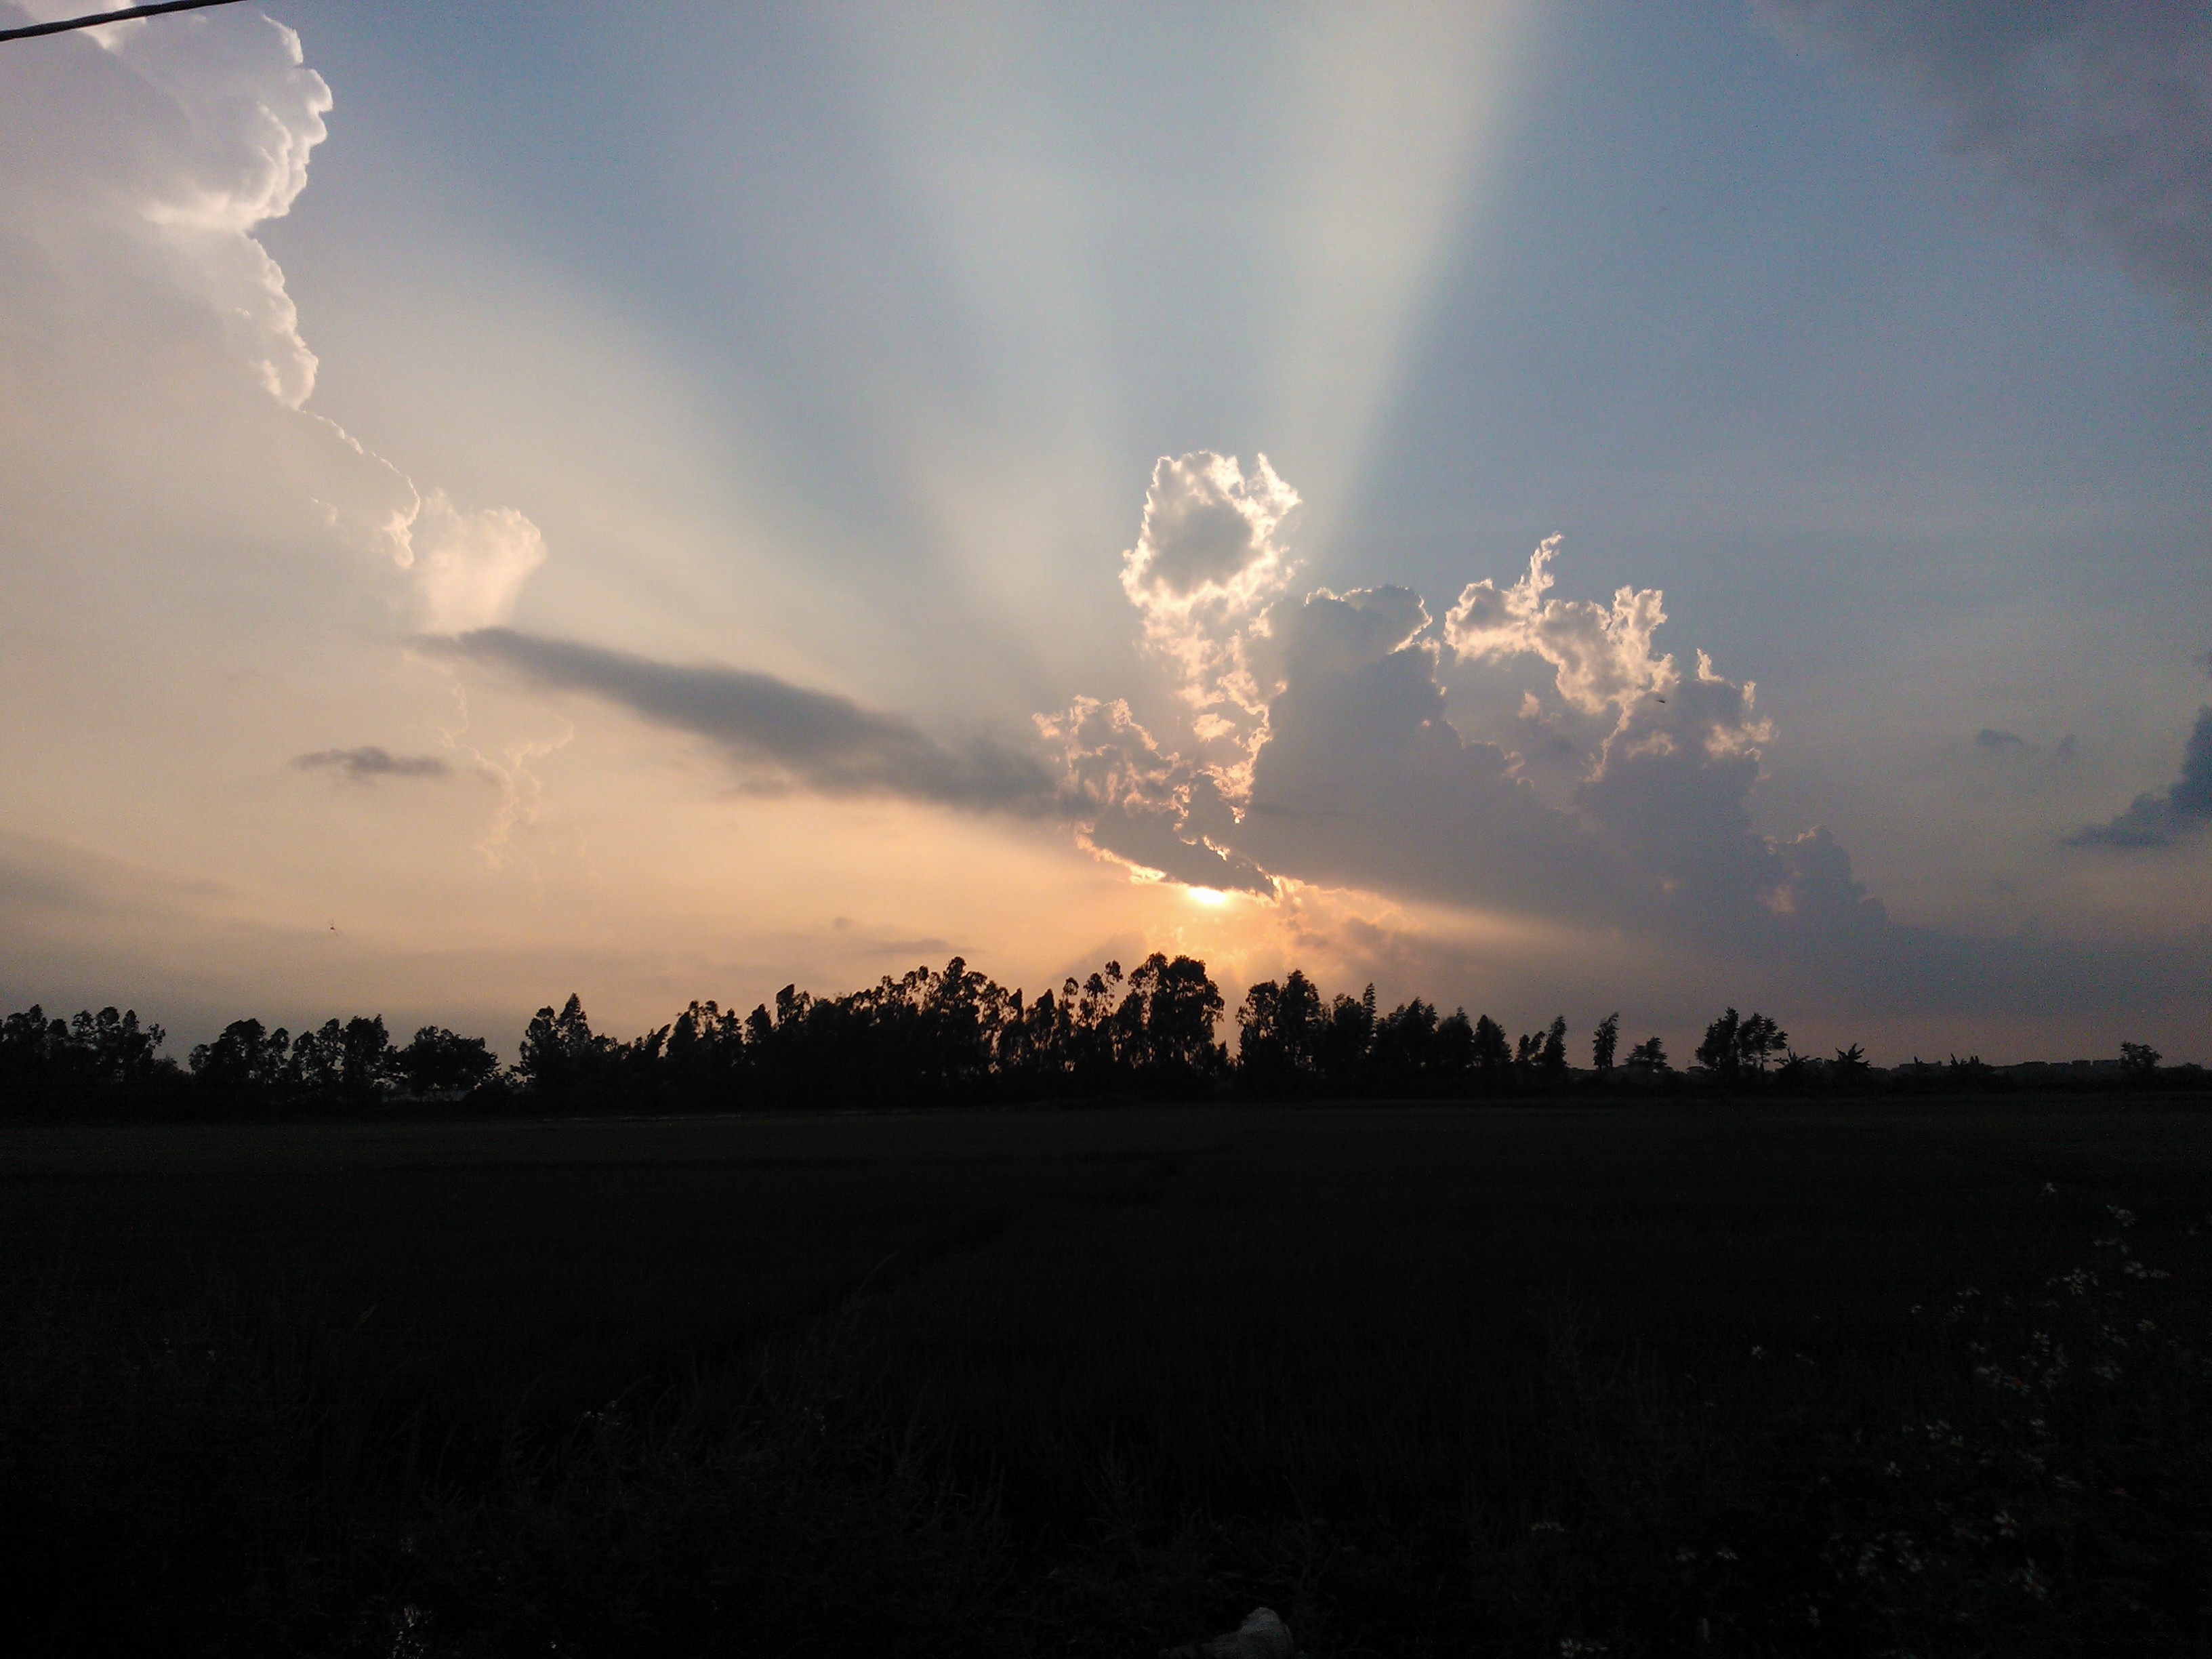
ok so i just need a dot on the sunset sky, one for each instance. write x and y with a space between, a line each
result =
1552 509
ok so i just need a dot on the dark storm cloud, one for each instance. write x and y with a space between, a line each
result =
779 734
2101 112
2158 819
369 762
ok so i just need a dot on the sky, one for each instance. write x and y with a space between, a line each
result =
1551 510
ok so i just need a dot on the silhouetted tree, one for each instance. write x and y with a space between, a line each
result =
1167 1020
437 1061
1493 1056
1291 1043
1799 1071
1402 1057
1455 1048
1345 1039
560 1052
366 1059
100 1061
705 1056
1734 1046
245 1063
1551 1057
1604 1041
1971 1072
1717 1054
38 1070
318 1063
1279 1035
927 1035
1086 1013
118 1052
1032 1052
1757 1040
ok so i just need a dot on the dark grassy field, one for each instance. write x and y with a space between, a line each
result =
1652 1379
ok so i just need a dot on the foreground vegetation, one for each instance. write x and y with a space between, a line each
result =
1927 1378
956 1037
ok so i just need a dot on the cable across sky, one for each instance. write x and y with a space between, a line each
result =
64 25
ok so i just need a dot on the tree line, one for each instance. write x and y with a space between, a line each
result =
931 1037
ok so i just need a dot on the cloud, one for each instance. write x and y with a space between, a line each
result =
1354 777
1208 532
1209 554
1327 633
155 347
369 762
1362 779
2183 808
777 735
1361 792
2100 114
468 567
1603 656
240 113
1162 816
1997 742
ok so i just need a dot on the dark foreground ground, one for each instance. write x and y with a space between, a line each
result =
1928 1379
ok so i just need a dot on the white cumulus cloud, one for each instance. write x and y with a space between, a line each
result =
235 113
468 567
145 320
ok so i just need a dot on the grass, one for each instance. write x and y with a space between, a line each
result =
1550 1381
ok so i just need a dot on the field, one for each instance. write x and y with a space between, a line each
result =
1546 1380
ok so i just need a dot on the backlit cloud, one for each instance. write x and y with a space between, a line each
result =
1162 814
2182 808
1209 554
1603 656
1357 777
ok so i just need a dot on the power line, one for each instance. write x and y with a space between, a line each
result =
125 16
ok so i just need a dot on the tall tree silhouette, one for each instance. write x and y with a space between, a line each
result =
560 1051
1168 1019
1493 1054
246 1061
1279 1035
1717 1053
92 1061
1604 1041
1551 1056
1734 1046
